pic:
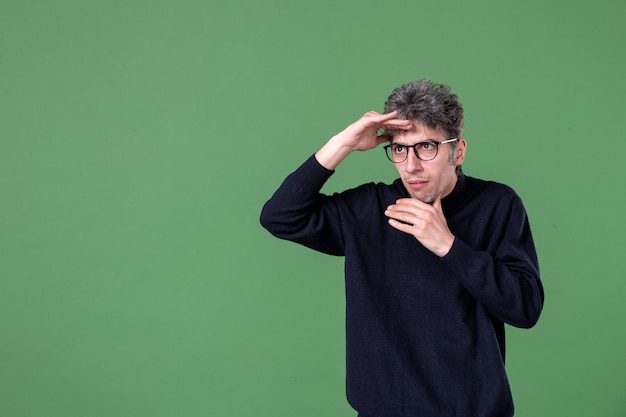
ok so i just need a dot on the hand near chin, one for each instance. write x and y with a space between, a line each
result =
424 221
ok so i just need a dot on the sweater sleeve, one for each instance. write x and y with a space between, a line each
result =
300 213
506 281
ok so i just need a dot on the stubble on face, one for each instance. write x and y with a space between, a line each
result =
439 186
428 196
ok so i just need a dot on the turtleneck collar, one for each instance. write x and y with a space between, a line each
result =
458 197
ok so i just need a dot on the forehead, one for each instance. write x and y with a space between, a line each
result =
418 132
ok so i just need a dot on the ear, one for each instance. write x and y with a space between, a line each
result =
459 153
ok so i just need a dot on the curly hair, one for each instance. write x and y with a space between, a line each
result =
430 103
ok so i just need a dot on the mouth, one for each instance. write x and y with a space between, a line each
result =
417 184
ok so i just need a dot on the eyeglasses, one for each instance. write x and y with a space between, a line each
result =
425 151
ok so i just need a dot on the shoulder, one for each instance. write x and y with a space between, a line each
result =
488 188
493 196
480 195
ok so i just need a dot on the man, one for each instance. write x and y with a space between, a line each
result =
435 263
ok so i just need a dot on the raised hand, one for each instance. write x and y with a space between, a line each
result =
361 135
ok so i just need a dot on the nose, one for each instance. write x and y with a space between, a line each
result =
412 163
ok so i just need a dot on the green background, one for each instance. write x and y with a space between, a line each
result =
139 141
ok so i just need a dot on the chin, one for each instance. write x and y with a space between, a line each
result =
427 198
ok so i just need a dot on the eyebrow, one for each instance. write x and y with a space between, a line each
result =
421 141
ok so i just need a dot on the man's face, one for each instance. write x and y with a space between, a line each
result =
428 180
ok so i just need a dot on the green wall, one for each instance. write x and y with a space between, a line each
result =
139 140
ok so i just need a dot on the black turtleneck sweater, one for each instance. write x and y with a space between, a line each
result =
424 334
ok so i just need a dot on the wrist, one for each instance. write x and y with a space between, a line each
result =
446 247
333 153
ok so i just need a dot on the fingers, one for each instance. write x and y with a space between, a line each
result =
424 221
407 204
381 117
387 120
403 227
412 211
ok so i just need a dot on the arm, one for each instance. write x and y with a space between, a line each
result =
300 213
505 280
297 211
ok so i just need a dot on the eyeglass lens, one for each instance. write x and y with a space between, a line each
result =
424 150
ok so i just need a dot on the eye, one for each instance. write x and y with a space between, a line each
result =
399 149
428 146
